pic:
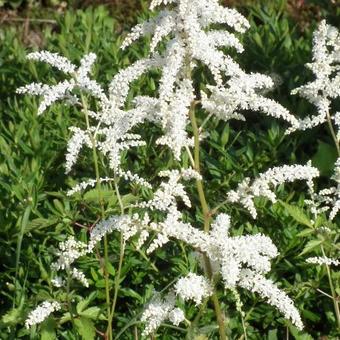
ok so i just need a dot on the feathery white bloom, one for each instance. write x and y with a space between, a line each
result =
53 59
176 316
321 260
325 66
243 92
262 186
175 119
80 276
74 145
193 287
86 184
36 89
39 314
119 86
54 93
58 282
239 259
156 312
165 196
266 288
327 199
69 251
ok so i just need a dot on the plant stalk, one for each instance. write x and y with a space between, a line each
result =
333 292
331 129
207 220
106 251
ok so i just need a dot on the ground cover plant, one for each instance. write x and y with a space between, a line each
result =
172 213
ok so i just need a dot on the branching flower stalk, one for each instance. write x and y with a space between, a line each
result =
206 219
101 202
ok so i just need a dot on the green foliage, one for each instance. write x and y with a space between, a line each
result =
35 213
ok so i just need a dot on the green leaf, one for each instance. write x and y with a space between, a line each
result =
85 328
325 158
310 246
82 305
48 329
272 334
94 194
12 317
91 313
305 232
297 213
299 335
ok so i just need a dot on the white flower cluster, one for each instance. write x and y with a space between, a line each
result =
87 184
80 276
266 288
327 199
165 196
69 251
266 182
158 310
243 92
193 287
237 258
188 24
107 129
39 314
323 261
325 66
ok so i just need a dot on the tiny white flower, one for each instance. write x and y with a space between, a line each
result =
193 287
43 311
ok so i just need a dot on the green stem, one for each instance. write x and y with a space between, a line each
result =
106 251
207 220
69 305
117 278
193 325
331 129
333 292
121 255
199 182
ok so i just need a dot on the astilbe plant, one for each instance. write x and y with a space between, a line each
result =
184 42
324 205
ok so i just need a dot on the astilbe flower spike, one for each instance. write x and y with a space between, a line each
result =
321 92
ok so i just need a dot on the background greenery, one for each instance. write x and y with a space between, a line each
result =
35 213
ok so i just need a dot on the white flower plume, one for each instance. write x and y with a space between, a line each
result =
239 259
159 310
266 182
191 41
193 287
40 313
326 69
327 199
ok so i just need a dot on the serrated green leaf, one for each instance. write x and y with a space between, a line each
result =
297 213
82 305
310 246
12 317
305 232
91 313
85 328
